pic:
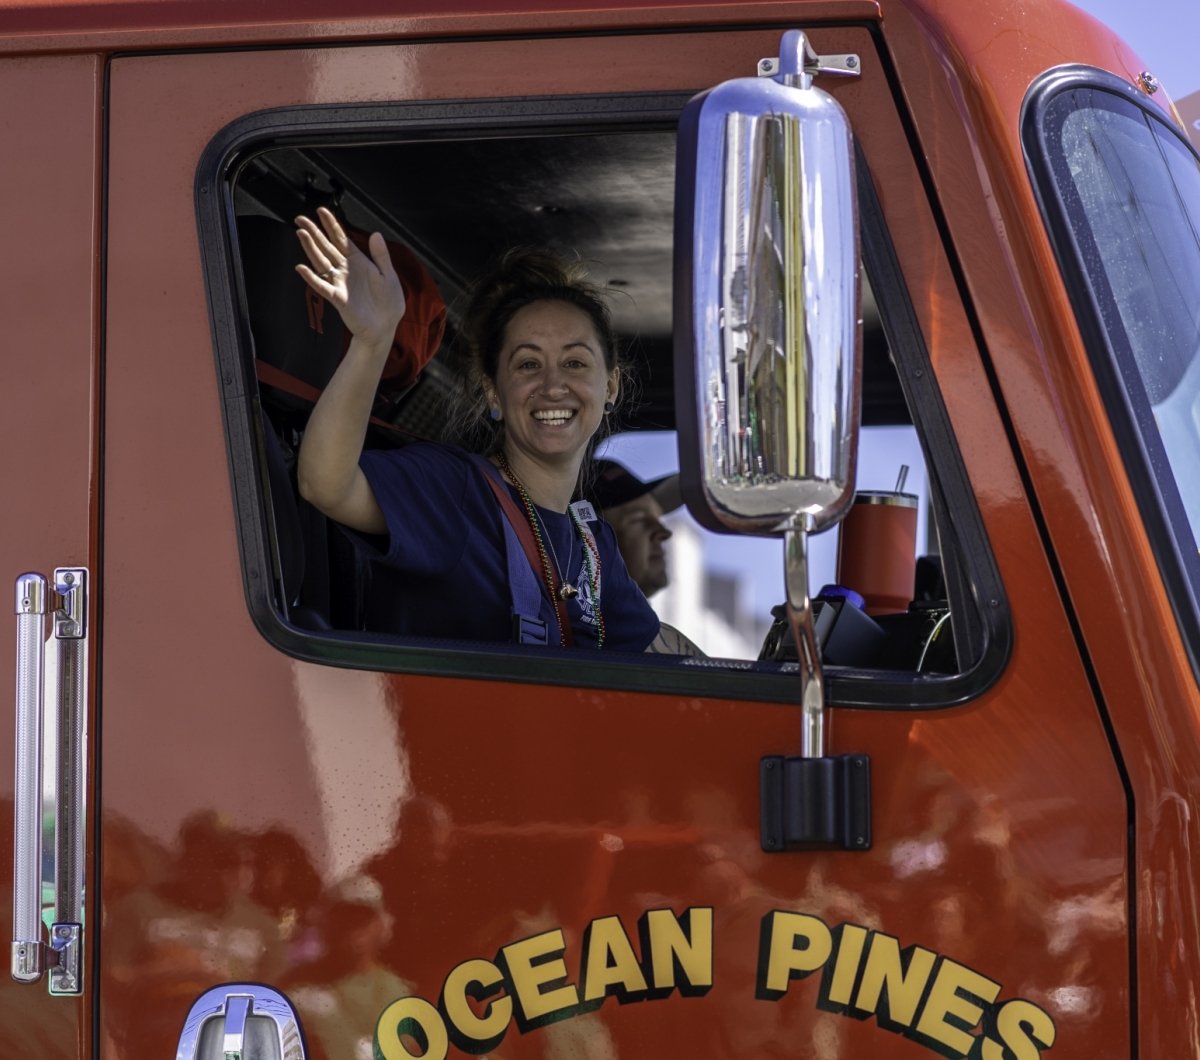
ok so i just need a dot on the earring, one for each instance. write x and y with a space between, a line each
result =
608 407
494 413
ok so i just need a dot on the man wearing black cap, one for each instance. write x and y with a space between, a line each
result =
634 509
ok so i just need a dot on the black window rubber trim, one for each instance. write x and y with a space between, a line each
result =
321 125
978 604
1108 349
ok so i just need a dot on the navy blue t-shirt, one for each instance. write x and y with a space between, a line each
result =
442 572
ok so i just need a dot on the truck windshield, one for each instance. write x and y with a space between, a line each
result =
1128 187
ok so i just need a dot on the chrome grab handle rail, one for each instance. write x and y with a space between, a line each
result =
66 601
27 953
70 631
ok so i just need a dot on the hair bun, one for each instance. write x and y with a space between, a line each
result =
524 275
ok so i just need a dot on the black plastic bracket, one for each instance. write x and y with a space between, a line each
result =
815 803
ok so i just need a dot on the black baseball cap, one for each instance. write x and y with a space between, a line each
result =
615 484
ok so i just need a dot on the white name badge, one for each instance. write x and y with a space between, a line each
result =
584 511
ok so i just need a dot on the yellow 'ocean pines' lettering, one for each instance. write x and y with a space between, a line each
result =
415 1018
791 946
609 964
914 992
956 1004
677 952
1017 1030
892 982
949 1008
837 983
480 981
536 976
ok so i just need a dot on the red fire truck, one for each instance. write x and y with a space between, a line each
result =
248 824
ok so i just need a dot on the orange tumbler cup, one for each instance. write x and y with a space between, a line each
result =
877 552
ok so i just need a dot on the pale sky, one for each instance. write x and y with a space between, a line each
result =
1165 33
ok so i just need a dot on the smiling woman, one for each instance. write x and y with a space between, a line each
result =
551 388
484 545
543 356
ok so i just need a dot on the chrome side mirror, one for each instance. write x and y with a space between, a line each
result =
768 356
767 326
767 300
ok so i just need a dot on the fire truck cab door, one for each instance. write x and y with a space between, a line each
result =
246 794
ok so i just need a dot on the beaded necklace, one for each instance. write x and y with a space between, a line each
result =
591 554
566 591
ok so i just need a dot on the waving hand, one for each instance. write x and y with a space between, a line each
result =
365 290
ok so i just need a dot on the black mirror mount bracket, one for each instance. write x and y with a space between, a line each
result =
815 803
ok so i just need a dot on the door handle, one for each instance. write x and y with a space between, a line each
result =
241 1021
66 602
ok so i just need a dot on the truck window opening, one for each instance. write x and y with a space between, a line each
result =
608 197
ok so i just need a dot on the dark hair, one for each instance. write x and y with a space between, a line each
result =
523 277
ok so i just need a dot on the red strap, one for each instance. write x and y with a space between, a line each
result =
289 384
520 523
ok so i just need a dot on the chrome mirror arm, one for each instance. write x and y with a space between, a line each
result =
800 618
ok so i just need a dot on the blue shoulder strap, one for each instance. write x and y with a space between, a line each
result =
523 582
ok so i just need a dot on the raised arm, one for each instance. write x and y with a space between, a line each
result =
366 293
